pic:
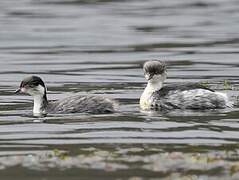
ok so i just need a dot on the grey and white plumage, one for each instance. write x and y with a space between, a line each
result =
177 96
82 104
34 86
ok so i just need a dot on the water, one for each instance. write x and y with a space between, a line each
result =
98 47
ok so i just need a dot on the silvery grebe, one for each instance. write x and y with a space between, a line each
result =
177 96
34 86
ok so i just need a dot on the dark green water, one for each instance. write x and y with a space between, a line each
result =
98 47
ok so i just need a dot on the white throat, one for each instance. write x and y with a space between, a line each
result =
38 107
40 101
154 84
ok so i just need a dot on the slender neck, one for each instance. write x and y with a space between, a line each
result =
145 99
153 86
40 104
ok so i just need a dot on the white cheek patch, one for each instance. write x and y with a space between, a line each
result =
158 78
30 91
38 90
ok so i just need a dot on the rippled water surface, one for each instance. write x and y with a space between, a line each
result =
98 47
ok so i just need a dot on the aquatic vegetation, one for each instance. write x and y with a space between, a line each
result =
205 84
170 164
227 85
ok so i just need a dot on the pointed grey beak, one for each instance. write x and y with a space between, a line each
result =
18 91
149 76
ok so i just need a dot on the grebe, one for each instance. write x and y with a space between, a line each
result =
35 87
177 96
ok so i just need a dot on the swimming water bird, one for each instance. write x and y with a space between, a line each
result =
177 96
34 86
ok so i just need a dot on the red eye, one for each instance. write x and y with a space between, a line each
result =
26 86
